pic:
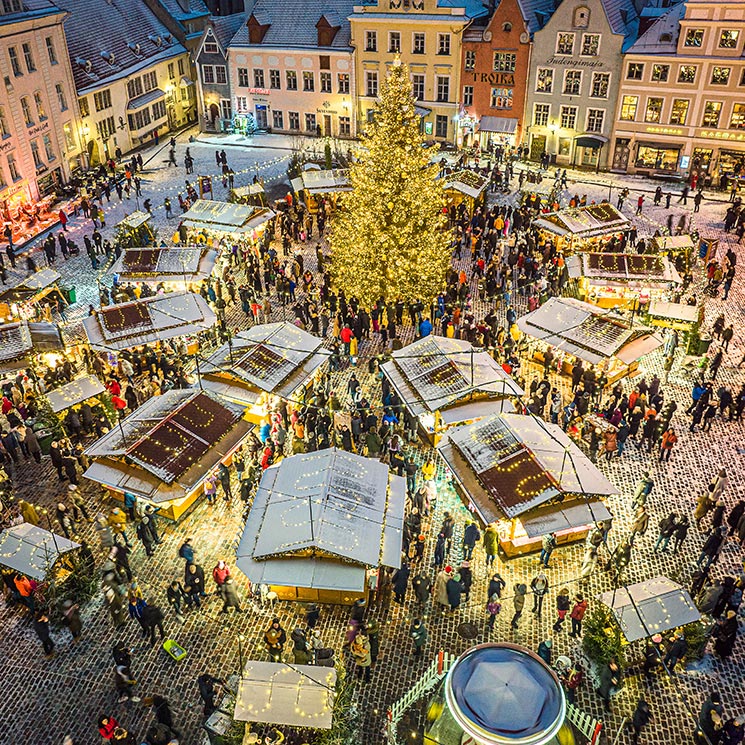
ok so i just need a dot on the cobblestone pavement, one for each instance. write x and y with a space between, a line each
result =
44 699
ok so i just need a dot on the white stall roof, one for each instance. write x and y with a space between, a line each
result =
225 217
31 550
76 392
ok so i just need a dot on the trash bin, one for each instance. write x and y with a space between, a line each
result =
704 342
71 294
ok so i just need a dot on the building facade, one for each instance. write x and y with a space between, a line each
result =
40 142
427 36
131 76
681 107
574 73
290 69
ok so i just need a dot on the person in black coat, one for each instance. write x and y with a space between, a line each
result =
439 555
145 535
194 584
454 589
152 618
401 582
496 585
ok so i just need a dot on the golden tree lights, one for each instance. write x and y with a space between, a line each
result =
389 239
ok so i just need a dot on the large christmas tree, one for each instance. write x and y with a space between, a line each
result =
388 239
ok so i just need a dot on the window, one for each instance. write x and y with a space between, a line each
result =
565 44
139 119
291 80
309 83
629 105
371 83
221 75
51 51
102 100
15 65
26 109
241 105
394 42
544 82
572 82
325 82
181 68
310 123
371 41
581 17
468 95
595 120
83 106
208 74
417 82
159 110
417 46
13 168
210 47
660 73
720 75
243 77
134 87
679 111
470 60
501 98
258 78
687 74
738 116
278 120
728 38
345 126
568 117
600 84
39 106
61 100
3 124
274 79
504 61
712 110
441 126
28 57
635 71
443 44
69 139
590 45
106 128
35 153
653 112
171 70
694 37
48 149
150 80
541 113
343 78
443 88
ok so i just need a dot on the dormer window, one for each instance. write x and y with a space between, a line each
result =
257 28
135 49
581 17
157 40
109 57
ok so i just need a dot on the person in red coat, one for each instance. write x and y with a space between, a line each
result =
577 614
220 573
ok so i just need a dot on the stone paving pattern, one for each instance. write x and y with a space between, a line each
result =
45 699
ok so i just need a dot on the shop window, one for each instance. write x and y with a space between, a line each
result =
737 120
712 111
653 111
720 75
635 71
660 73
694 38
657 158
544 80
679 111
687 74
728 38
565 44
629 105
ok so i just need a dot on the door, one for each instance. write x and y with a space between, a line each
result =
214 113
261 116
537 146
327 125
621 155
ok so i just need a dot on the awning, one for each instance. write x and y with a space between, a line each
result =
77 392
422 111
286 695
659 145
662 604
141 101
468 412
590 140
499 124
673 311
565 516
637 348
31 550
186 81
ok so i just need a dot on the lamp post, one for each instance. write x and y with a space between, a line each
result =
241 639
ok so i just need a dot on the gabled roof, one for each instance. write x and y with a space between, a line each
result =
114 27
225 28
623 19
185 10
292 23
31 9
662 36
536 13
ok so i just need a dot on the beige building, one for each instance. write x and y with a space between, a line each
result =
132 76
681 104
39 137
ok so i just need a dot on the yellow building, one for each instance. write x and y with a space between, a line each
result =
426 35
132 76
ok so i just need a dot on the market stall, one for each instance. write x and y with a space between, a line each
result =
445 382
148 321
251 194
33 298
174 268
265 361
651 607
577 330
27 220
318 522
540 195
135 230
632 281
24 344
165 449
680 249
587 228
528 478
32 550
286 695
686 318
465 186
313 186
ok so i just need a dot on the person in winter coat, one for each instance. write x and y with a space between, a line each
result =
491 543
71 618
610 679
300 648
124 683
578 613
441 593
152 618
725 634
274 639
418 634
186 551
518 602
360 651
545 651
230 599
422 586
562 608
118 524
732 519
640 719
220 573
539 586
41 627
64 518
496 585
466 578
401 582
493 607
669 438
107 726
439 553
194 584
711 548
681 533
176 598
666 530
471 537
448 524
454 589
640 524
145 536
717 516
548 544
678 649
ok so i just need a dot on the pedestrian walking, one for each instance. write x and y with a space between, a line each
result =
548 544
418 634
229 593
539 587
274 639
362 656
41 627
71 618
518 602
493 607
577 615
640 719
471 537
176 599
562 608
640 524
610 679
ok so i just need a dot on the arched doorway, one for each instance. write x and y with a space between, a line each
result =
94 156
214 113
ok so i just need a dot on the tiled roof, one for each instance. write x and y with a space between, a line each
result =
184 10
536 13
623 18
293 23
32 9
113 27
226 27
650 41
